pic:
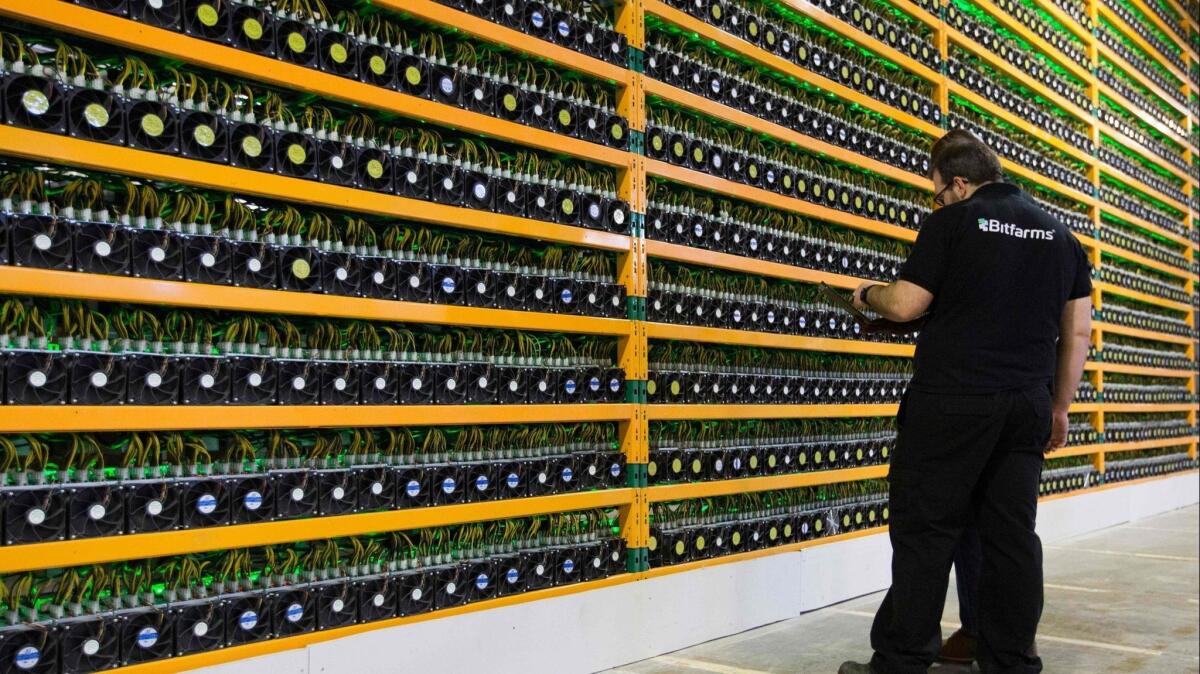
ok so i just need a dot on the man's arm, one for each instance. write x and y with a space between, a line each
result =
1074 334
901 301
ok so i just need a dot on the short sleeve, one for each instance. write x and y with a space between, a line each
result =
926 264
1082 284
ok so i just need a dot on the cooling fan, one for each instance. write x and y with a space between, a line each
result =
482 383
292 611
151 379
205 502
207 19
448 484
374 170
452 383
253 29
200 625
380 381
376 597
204 380
35 103
340 383
337 491
450 585
340 274
247 618
339 54
478 94
337 604
34 515
37 377
509 577
509 290
414 486
254 264
445 84
208 259
157 253
89 644
413 178
42 241
481 481
162 13
252 146
146 634
95 510
377 65
299 268
416 591
296 493
510 196
337 162
295 155
101 248
297 381
481 578
447 185
152 125
96 378
376 487
252 380
29 647
417 383
379 277
538 567
252 499
296 42
203 135
96 115
152 505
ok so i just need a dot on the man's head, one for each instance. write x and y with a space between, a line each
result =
959 164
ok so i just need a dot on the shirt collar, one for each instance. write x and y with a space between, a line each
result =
997 189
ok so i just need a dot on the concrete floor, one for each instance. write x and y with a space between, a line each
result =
1124 599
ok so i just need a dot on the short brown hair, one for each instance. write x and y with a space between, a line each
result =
960 154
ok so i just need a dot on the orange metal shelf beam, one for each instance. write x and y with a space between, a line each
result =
1132 219
100 157
833 23
94 24
774 341
995 110
490 31
910 8
79 418
1112 289
232 653
678 492
1143 334
1142 150
1144 407
708 258
1126 254
1014 26
727 114
75 285
1131 34
986 55
1143 114
1136 73
783 66
14 558
1138 184
758 195
1147 371
764 552
1112 485
1049 7
1047 182
668 412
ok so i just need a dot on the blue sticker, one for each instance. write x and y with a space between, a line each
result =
564 28
294 613
513 480
567 474
567 295
413 488
568 566
253 500
569 385
481 483
206 504
614 385
448 285
615 470
147 637
538 19
594 384
27 657
481 581
448 485
512 576
248 620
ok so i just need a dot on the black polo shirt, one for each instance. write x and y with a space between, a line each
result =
1001 270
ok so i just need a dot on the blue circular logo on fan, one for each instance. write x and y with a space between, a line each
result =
481 483
27 657
564 28
538 19
594 384
248 620
512 576
481 581
568 565
448 485
147 637
413 489
569 385
513 480
294 613
448 285
568 474
206 504
567 295
614 384
253 500
615 469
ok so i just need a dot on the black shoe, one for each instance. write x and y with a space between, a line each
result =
850 667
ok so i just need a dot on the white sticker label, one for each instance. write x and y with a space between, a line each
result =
248 620
294 613
147 637
206 504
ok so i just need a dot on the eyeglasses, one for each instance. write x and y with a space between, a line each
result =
939 199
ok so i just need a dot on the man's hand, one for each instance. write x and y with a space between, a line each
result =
1058 431
858 293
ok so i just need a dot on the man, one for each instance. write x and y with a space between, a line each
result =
1006 289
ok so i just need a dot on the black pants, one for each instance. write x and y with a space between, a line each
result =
963 459
968 561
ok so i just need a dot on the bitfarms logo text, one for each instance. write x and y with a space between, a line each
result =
986 225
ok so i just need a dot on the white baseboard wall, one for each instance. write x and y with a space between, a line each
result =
615 625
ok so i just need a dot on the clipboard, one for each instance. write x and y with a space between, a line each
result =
837 299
